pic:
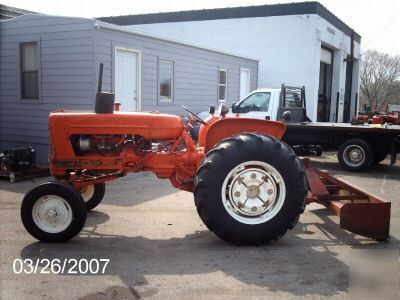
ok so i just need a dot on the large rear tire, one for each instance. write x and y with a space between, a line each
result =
250 189
53 212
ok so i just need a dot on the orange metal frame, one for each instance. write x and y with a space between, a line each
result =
178 161
177 158
358 211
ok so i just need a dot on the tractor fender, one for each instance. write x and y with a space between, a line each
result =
224 127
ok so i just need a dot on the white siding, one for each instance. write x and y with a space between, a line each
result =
288 46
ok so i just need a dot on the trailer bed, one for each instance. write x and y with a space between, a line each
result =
359 146
331 135
345 127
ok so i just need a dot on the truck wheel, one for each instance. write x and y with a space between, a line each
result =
380 155
356 155
318 150
93 194
250 188
53 212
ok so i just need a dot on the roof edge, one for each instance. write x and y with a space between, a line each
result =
283 9
110 26
100 24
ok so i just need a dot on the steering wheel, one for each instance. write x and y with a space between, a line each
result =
245 109
198 119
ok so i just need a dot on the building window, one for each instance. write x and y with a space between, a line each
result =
166 80
29 70
222 85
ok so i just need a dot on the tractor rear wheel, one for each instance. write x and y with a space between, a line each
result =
250 189
93 194
53 212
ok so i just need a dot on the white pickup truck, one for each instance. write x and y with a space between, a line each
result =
359 146
269 104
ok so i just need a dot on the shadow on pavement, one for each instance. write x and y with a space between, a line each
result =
334 168
127 191
296 265
332 232
302 263
137 188
277 266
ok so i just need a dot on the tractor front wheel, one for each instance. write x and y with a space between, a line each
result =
93 194
250 188
53 212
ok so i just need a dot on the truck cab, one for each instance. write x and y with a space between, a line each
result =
270 104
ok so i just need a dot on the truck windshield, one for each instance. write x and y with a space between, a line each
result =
255 102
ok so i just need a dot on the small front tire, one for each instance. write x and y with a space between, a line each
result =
53 212
93 194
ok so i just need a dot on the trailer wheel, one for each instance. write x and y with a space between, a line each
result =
53 212
380 155
356 155
93 194
250 188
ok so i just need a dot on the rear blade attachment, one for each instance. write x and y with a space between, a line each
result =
358 211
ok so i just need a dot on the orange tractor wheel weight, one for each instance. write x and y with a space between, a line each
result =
249 187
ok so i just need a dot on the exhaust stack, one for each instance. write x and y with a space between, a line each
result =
104 101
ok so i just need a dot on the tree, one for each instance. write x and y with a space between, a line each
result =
394 93
379 79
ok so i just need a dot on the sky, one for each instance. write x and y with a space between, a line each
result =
377 21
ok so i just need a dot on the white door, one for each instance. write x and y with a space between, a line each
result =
258 105
126 84
244 83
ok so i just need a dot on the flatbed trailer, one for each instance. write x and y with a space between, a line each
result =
358 146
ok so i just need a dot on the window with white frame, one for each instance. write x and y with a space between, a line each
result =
166 80
29 62
222 84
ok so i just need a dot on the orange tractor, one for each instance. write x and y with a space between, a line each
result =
248 186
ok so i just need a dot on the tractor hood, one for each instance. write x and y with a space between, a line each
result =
152 126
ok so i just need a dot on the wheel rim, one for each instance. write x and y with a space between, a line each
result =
52 213
354 155
253 192
87 192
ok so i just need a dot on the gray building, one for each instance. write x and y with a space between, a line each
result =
9 12
299 44
48 62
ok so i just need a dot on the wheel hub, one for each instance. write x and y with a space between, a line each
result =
52 213
354 155
87 192
252 192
